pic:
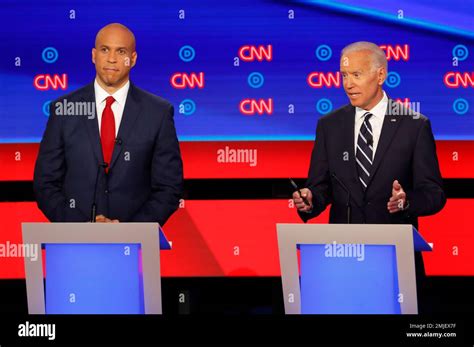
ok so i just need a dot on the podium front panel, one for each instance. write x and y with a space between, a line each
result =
349 279
116 283
395 275
92 279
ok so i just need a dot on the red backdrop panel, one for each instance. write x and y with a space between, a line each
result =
238 237
275 159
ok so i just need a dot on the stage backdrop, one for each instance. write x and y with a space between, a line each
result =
248 78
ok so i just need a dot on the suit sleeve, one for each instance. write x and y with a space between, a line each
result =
427 196
166 175
318 176
50 169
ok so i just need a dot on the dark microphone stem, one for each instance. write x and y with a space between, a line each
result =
348 202
94 204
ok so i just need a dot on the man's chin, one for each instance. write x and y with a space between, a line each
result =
354 103
109 83
112 82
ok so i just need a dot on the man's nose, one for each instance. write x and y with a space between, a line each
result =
348 82
112 57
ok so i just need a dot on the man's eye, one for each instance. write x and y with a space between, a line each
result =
121 51
104 49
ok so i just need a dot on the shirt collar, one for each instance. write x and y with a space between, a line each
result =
378 110
120 95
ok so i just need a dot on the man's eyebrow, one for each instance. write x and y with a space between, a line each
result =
105 46
351 72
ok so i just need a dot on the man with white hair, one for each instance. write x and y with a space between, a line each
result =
373 161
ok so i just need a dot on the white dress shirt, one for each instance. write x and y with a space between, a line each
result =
118 106
376 122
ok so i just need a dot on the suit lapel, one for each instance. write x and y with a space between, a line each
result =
348 136
389 128
130 115
92 125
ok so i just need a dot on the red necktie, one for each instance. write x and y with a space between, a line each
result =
107 130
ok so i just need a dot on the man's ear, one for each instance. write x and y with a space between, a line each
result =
134 58
382 75
94 52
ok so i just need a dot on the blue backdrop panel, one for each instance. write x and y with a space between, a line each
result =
205 36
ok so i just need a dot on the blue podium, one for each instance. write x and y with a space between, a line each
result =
95 268
349 268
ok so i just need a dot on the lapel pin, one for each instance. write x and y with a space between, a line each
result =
393 119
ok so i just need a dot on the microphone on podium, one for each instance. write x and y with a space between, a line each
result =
348 201
94 204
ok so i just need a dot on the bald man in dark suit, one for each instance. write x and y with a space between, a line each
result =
128 145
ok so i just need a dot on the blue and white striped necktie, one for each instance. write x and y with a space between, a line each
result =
365 150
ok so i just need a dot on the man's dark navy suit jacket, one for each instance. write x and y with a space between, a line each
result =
406 152
144 179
